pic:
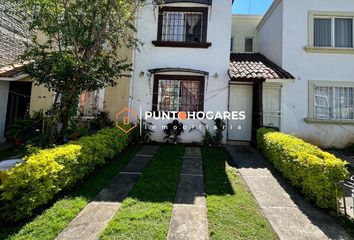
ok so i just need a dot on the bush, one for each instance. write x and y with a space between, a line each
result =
46 173
307 167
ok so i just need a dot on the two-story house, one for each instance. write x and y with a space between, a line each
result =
183 64
314 41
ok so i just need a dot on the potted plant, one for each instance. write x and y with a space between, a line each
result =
173 131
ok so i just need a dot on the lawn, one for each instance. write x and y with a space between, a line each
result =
232 210
52 221
146 213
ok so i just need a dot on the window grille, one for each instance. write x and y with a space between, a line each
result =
178 95
182 27
334 102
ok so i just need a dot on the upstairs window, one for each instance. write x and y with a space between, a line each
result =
182 27
333 32
249 44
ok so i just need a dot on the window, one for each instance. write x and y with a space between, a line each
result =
178 93
334 32
333 102
182 27
232 44
91 103
249 44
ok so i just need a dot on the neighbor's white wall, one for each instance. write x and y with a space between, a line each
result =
213 60
244 26
271 35
311 66
4 93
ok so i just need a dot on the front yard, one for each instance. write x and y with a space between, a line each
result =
146 213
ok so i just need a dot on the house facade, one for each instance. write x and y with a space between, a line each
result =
183 64
314 41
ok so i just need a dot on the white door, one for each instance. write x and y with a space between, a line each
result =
272 105
241 98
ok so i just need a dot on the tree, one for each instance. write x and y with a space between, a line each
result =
82 47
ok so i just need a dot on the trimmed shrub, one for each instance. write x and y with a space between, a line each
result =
44 174
307 167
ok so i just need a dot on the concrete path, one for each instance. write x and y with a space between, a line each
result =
96 215
189 217
290 215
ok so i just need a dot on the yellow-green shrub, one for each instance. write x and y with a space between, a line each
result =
307 167
46 173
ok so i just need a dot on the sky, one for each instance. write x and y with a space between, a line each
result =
256 7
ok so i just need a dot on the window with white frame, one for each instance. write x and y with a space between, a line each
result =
336 32
331 102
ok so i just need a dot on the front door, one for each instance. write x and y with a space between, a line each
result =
241 99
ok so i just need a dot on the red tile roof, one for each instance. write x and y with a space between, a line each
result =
255 67
10 71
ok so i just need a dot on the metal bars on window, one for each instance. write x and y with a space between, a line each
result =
178 95
334 102
182 26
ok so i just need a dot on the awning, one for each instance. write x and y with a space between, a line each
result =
254 67
188 70
207 2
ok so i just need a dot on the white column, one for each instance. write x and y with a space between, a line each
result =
4 92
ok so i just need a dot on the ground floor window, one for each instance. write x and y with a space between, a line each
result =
91 103
178 93
334 102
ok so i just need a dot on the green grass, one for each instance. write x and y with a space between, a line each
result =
51 222
146 213
232 210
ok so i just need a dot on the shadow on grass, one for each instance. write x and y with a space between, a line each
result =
217 182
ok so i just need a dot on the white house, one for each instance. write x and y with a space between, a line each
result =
183 64
314 41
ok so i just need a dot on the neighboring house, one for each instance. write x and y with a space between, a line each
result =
19 96
314 41
183 64
14 93
244 35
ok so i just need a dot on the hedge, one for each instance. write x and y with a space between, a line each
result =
307 167
44 174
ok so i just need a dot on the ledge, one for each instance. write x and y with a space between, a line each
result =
181 44
329 121
330 50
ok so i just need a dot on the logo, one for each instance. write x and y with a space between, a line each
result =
130 120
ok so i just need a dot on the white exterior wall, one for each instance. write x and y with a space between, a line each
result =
4 92
305 67
214 59
271 35
244 26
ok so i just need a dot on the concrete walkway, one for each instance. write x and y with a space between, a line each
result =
96 215
290 215
189 216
